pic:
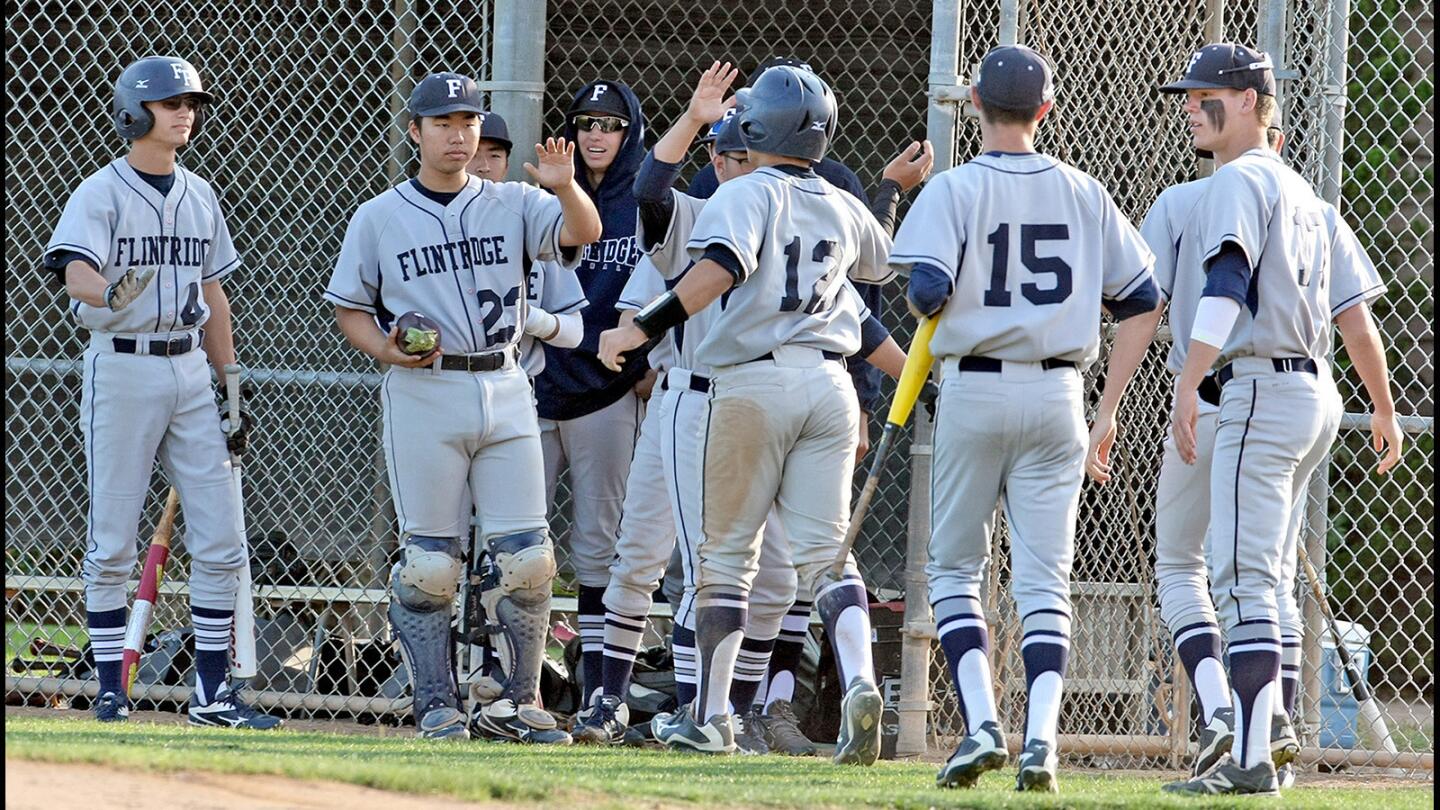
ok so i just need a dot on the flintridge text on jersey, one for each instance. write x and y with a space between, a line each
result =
463 254
178 251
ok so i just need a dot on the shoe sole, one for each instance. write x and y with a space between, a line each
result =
241 726
1180 792
1037 780
967 775
861 744
592 736
1203 763
1284 753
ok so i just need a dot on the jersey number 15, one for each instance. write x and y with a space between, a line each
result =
999 295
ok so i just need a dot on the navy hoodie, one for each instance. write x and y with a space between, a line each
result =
574 383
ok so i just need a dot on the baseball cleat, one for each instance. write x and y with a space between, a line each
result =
1229 779
859 740
606 722
1038 764
505 721
1284 747
228 710
1285 775
680 731
748 737
782 731
111 708
980 752
1215 741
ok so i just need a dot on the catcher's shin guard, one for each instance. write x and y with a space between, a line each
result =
423 586
516 598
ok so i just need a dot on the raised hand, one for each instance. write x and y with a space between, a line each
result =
910 168
709 103
557 164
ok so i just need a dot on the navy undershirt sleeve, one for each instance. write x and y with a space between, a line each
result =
652 193
1141 300
929 288
726 258
872 334
1228 274
56 261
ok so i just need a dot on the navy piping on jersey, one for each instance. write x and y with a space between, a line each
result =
1240 457
174 270
1132 280
159 222
979 162
918 258
221 270
81 249
445 234
390 423
358 304
578 303
1003 153
690 551
90 546
725 241
1346 303
475 282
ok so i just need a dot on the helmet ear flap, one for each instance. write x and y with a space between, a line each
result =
752 130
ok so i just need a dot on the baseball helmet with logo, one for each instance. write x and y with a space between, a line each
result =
154 78
790 111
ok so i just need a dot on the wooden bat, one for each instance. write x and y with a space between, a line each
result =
1369 709
243 661
150 578
912 378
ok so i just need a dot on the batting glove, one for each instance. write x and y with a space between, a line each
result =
929 391
237 437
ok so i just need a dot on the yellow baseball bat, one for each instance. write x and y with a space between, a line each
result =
912 378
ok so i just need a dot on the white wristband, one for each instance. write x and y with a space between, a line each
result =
540 323
1214 319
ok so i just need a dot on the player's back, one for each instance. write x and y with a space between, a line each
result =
1037 243
1274 215
796 238
1178 270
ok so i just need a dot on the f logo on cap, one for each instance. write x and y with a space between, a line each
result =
1193 59
455 86
600 90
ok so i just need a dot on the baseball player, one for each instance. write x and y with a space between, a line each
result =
454 247
589 415
1015 252
1268 249
142 247
646 537
776 244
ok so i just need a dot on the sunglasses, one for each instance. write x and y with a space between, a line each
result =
604 123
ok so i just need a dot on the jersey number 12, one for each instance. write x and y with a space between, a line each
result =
791 302
999 295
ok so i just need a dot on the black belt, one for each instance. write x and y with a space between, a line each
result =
828 356
1210 390
1279 363
697 383
473 362
971 362
158 348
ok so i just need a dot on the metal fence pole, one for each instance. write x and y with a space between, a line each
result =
517 88
1271 34
1214 32
1009 22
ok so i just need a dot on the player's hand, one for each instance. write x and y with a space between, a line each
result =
1386 437
910 168
123 293
864 446
646 385
237 437
390 353
556 159
708 104
1102 439
1182 423
617 341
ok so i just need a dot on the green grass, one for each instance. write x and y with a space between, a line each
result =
598 777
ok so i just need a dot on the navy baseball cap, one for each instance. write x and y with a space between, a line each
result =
604 98
1226 66
776 61
493 128
444 93
1015 77
714 131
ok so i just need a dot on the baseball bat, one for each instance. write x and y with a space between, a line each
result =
150 578
1369 708
243 662
912 378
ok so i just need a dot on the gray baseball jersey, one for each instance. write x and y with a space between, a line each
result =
645 285
464 265
1031 245
120 222
556 290
796 238
1260 204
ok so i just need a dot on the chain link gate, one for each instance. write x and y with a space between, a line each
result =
317 499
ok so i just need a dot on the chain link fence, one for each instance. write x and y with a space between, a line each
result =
309 124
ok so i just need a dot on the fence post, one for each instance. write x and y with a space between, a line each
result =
919 632
517 86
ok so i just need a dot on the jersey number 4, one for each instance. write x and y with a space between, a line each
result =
791 302
999 295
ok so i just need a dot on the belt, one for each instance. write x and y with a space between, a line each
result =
827 355
698 383
1305 364
489 361
971 362
1210 390
158 348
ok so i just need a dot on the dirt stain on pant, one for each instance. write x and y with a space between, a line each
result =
735 448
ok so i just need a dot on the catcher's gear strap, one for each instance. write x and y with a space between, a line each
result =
516 598
428 574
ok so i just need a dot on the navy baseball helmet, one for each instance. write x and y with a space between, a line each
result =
494 128
445 93
154 78
790 112
729 139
